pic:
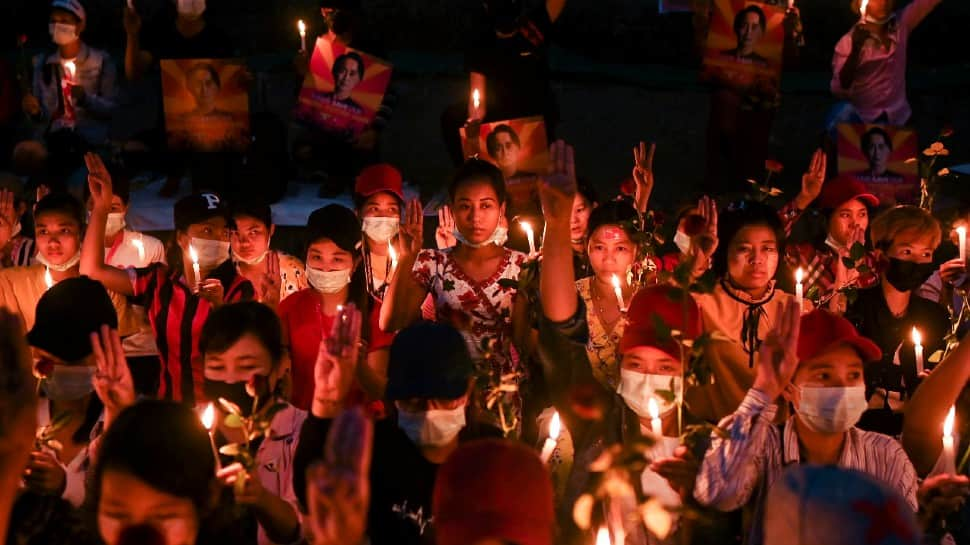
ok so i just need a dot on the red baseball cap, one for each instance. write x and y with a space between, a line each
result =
493 489
822 331
842 189
380 177
654 312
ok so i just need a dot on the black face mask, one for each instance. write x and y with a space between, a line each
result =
235 392
907 275
339 21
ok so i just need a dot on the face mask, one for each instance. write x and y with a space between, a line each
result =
63 266
212 253
62 33
831 410
69 382
380 229
432 428
498 238
328 281
682 241
638 388
235 392
254 261
116 222
907 275
192 8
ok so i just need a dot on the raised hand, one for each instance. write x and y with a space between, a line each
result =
41 192
412 230
777 358
8 216
332 376
558 188
643 173
112 382
706 241
99 182
444 235
268 288
813 179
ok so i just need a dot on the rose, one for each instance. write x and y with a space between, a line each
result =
43 369
773 166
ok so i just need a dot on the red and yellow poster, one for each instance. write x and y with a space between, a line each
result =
344 88
876 156
519 148
745 46
206 104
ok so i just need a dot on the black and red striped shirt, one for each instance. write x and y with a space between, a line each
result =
177 315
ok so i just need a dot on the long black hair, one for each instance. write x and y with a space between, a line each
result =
737 216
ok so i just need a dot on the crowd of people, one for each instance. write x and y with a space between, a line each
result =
717 376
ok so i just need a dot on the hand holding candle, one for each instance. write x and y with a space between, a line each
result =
618 291
949 446
301 26
208 420
918 348
555 427
531 236
656 426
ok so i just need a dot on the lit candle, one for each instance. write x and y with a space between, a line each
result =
476 99
862 10
799 288
918 348
655 425
531 235
603 536
393 255
791 4
195 265
209 420
962 236
302 27
140 246
69 68
949 448
48 279
618 292
549 445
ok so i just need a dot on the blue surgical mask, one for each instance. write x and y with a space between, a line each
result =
69 382
432 428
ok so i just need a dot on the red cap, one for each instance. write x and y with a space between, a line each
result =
379 177
822 331
493 489
654 312
842 189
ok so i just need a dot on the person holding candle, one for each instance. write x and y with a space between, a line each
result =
815 364
469 281
275 274
379 201
945 285
904 238
177 303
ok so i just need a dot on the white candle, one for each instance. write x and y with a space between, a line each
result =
656 426
69 68
208 420
799 288
302 28
949 448
393 255
48 279
618 292
962 236
476 99
550 443
195 265
603 536
140 246
918 348
531 236
862 10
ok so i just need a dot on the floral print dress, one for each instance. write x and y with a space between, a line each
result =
602 344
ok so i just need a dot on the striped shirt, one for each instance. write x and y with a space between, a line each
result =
819 263
738 471
177 315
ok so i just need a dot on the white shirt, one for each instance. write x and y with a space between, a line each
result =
123 255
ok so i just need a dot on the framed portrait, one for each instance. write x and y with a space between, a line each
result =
206 103
876 156
745 46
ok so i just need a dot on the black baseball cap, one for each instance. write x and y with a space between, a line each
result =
428 360
67 314
199 207
338 223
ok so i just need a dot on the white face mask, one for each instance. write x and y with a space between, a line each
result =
254 261
328 281
69 382
380 229
638 388
63 266
192 8
62 33
432 428
499 236
831 410
116 222
212 253
682 241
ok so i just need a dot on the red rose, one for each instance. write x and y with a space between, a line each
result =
773 166
628 187
43 369
22 39
947 131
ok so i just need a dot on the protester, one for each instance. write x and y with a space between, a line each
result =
274 274
242 345
179 294
16 248
583 204
430 375
379 200
904 239
869 65
465 281
820 373
74 87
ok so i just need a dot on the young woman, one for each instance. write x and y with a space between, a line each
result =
379 199
466 281
336 278
584 203
275 275
179 295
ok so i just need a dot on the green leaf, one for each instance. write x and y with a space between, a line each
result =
667 395
448 285
864 269
813 293
508 283
936 357
857 252
232 449
849 263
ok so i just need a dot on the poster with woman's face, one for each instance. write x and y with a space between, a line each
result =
876 156
206 104
519 148
745 46
343 90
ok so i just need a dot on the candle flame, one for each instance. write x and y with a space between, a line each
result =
392 253
208 417
948 423
193 255
917 338
69 67
603 536
476 98
555 426
616 281
799 275
526 227
653 408
962 230
48 279
862 9
302 26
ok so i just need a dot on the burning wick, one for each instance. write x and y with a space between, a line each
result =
195 265
302 28
655 425
555 427
69 68
618 292
531 236
48 279
476 99
208 420
918 348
